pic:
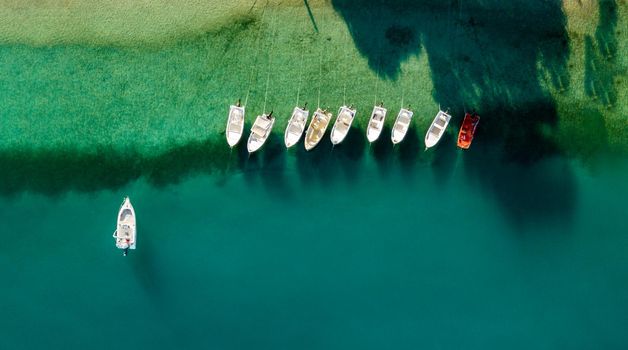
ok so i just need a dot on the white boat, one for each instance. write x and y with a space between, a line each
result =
342 125
296 126
316 130
402 124
260 131
126 230
376 123
437 129
235 125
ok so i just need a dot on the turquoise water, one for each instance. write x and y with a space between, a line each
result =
519 243
345 248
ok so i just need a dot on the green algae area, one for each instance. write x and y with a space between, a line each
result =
81 101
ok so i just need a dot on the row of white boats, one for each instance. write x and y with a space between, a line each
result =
321 119
126 230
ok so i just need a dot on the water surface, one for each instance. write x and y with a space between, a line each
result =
362 253
517 243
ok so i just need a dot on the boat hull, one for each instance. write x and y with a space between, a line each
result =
316 129
126 228
296 126
376 123
259 132
235 125
467 130
401 126
437 129
342 125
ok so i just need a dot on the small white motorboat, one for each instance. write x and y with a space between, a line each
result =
316 130
296 126
402 124
260 131
376 123
342 125
437 129
126 230
235 125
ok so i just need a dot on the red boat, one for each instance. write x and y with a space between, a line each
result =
467 130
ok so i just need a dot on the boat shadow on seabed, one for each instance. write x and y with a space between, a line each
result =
490 56
272 169
326 162
408 151
382 151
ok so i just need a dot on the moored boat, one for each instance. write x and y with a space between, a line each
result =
296 126
235 124
376 123
126 229
401 126
342 125
437 129
316 129
467 130
260 131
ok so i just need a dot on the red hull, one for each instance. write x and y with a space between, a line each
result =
467 130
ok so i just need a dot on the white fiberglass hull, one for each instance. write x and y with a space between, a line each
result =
342 125
437 129
126 229
376 123
401 126
259 132
235 125
296 126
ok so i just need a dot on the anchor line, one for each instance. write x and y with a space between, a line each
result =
376 81
320 69
403 91
458 26
301 64
254 66
300 76
403 87
320 76
379 63
270 59
344 89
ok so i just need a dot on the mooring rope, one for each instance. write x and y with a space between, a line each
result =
270 58
376 81
320 66
458 24
402 89
254 66
301 64
320 76
379 62
347 59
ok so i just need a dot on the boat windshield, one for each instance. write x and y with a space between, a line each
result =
125 214
295 129
258 131
236 114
